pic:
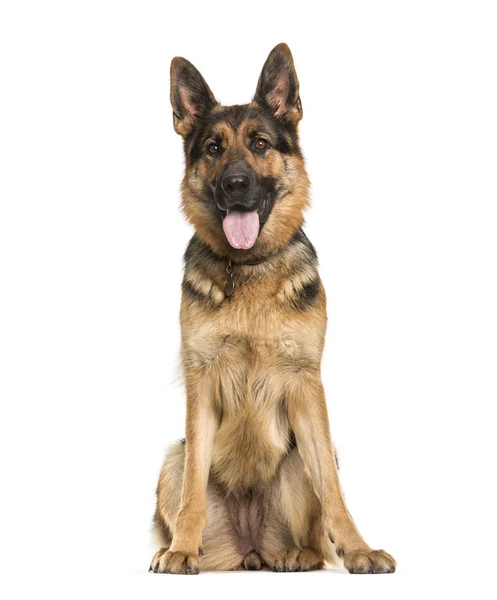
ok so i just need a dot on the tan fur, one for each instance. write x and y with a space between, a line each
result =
239 493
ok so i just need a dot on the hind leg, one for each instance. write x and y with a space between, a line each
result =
292 538
164 538
220 551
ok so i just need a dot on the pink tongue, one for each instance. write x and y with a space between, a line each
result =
241 228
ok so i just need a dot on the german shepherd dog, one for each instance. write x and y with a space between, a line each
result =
255 484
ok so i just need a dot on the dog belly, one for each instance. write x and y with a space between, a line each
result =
246 513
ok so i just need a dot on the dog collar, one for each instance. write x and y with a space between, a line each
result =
229 286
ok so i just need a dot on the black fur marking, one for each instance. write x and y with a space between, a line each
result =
283 135
307 295
292 441
299 237
193 146
192 293
198 253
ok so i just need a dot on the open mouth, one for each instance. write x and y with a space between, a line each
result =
241 228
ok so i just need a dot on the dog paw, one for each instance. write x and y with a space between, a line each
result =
367 561
182 563
154 565
290 560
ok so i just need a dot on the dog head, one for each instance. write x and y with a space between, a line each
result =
245 186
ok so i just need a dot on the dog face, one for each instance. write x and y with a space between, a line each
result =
245 185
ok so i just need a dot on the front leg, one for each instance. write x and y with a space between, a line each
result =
308 417
201 426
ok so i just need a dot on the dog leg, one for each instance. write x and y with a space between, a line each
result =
201 426
221 551
308 417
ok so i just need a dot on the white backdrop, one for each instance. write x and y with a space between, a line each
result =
399 132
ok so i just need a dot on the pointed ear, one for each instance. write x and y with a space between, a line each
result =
190 95
278 86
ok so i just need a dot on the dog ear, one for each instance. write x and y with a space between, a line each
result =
278 86
190 95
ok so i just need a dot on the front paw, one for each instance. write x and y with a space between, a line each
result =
177 562
298 559
367 561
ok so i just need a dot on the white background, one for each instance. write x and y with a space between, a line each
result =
400 135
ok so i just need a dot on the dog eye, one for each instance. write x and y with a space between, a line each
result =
213 148
261 144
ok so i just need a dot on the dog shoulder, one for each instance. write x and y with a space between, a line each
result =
201 280
302 289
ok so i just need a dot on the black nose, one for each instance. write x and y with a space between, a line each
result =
235 184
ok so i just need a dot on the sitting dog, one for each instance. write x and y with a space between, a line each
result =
255 484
